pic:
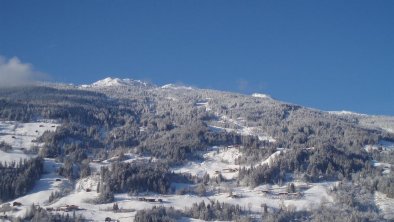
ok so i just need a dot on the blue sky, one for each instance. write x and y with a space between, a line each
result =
331 55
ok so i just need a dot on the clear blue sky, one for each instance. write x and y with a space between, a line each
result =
331 55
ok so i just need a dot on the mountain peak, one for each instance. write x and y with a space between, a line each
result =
110 82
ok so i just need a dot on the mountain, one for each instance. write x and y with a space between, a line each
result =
117 147
114 82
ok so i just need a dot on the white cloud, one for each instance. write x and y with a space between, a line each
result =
15 73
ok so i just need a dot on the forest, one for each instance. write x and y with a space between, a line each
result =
17 178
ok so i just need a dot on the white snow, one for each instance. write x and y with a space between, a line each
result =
239 127
175 86
221 160
386 167
346 113
22 136
129 157
244 130
260 95
43 188
269 161
390 130
88 183
218 160
13 156
110 82
385 204
249 197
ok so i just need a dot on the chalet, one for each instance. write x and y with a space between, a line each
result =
16 204
283 193
230 170
62 208
236 196
149 199
265 191
72 207
49 208
68 208
296 195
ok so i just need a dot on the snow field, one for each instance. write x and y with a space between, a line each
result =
49 182
385 204
23 135
218 160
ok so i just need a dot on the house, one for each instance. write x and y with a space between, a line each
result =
72 207
237 196
283 193
230 170
149 199
16 204
68 208
265 191
295 195
49 208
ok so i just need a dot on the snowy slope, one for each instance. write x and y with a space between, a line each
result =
44 187
113 82
385 204
22 137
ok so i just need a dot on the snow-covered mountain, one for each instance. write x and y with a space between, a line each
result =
113 82
250 150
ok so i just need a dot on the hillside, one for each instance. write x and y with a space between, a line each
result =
129 150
